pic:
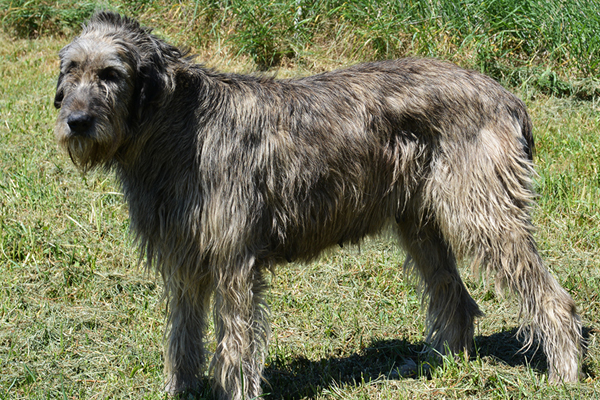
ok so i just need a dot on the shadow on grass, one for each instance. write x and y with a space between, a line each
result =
297 378
302 378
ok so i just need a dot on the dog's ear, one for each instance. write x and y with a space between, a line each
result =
60 93
154 80
149 87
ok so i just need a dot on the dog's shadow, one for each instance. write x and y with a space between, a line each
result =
297 378
396 359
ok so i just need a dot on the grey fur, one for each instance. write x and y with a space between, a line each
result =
228 175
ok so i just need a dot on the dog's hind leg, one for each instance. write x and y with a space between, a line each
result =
243 331
480 195
451 311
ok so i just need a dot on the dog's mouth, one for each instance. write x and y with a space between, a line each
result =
82 150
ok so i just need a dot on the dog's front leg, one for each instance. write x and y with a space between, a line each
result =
242 329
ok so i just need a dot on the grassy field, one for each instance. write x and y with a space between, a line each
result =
79 319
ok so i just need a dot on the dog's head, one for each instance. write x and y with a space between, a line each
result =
112 77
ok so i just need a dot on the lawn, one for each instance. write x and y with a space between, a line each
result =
80 319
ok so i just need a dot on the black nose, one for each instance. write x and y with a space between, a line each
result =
79 122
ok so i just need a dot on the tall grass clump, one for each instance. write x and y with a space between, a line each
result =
32 18
503 38
540 42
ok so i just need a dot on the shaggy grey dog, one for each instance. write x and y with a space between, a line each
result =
228 175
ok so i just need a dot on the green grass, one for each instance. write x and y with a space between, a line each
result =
33 18
79 319
552 44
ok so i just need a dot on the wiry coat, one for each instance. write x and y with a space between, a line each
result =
228 175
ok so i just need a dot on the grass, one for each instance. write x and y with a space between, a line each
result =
79 319
33 18
552 44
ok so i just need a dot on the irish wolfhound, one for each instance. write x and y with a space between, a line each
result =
228 175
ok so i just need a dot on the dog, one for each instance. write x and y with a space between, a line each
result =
227 176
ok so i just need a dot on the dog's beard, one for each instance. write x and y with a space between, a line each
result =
91 150
84 152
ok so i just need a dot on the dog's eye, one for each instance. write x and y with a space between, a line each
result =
108 74
71 66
